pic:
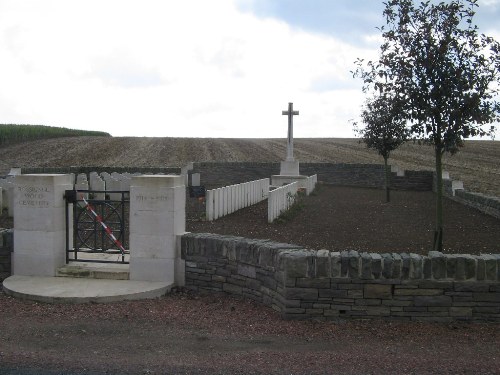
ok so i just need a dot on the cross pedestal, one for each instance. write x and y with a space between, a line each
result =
289 168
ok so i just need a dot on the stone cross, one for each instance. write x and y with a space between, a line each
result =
289 147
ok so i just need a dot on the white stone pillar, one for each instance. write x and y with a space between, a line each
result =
157 216
39 224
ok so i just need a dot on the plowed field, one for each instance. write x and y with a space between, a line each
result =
477 164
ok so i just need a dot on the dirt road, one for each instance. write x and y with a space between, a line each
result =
186 333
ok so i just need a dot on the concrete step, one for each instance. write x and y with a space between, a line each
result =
80 290
91 270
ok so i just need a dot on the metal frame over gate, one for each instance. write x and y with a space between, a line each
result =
97 230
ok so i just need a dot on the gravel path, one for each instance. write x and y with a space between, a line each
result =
186 333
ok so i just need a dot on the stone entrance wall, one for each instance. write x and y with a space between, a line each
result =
308 284
5 252
157 217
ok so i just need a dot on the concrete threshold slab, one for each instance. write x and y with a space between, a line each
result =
79 290
95 270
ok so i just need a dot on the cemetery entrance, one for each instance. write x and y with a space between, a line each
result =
97 226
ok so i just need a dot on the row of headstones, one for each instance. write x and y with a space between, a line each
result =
280 200
7 194
283 197
103 182
228 199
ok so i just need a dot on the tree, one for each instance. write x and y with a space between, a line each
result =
384 130
446 74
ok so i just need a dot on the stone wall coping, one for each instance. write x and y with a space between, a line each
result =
299 262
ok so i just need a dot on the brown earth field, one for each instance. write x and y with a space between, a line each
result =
476 164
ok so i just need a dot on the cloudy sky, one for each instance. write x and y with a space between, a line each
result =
190 68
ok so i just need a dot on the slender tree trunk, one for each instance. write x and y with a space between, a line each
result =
387 181
438 234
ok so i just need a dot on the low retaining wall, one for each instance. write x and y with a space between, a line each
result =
306 284
454 190
484 203
362 175
6 243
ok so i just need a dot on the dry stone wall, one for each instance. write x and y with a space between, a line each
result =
216 174
454 190
487 204
308 284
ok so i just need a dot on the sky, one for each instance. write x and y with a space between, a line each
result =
191 68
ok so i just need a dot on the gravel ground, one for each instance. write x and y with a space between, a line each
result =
187 333
341 218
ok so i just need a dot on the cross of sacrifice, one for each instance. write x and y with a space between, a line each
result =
289 146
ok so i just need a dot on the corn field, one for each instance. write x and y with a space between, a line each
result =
11 133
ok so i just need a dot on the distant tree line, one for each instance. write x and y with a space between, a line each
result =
12 133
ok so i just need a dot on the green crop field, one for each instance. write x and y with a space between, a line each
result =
12 133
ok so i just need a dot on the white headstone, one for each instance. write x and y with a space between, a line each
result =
15 171
195 179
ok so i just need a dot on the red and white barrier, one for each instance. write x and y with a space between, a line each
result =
107 229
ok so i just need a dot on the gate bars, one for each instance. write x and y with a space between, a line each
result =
92 225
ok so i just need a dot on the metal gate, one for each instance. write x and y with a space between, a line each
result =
97 227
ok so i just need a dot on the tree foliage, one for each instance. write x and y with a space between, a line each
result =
384 130
445 73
